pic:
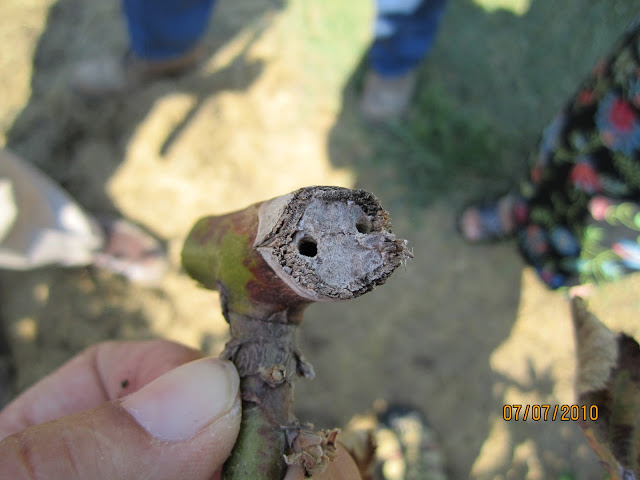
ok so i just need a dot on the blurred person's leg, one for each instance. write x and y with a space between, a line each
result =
404 34
164 38
576 215
166 29
40 224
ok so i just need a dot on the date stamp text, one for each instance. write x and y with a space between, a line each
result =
563 413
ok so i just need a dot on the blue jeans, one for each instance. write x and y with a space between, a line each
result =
404 33
165 29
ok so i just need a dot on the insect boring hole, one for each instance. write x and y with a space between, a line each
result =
363 224
307 246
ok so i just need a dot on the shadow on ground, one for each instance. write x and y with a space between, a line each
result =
53 313
493 80
413 340
459 332
80 143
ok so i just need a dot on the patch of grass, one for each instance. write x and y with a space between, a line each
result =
491 83
567 476
439 148
330 36
493 80
440 143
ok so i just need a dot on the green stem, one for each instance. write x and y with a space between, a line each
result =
261 442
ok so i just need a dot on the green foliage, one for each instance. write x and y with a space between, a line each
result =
567 476
330 37
440 147
494 78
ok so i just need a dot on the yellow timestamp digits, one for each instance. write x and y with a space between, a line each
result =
564 413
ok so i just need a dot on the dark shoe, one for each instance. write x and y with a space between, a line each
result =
407 446
394 444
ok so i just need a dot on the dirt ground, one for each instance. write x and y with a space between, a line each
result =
459 332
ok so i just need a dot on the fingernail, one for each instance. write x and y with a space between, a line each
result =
180 403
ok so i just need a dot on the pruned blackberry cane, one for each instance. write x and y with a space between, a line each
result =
269 262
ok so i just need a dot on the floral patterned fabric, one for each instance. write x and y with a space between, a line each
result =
578 219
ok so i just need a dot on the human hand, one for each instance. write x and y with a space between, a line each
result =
130 410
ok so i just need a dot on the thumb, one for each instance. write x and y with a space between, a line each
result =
181 425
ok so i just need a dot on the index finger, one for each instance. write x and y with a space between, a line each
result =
103 372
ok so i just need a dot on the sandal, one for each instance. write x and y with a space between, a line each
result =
489 221
396 443
407 446
131 252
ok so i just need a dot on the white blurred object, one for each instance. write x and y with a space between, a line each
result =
39 222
